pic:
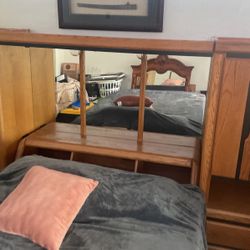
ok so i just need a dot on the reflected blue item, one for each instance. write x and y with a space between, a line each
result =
77 104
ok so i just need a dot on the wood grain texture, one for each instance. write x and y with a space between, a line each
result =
82 94
141 113
230 120
43 86
27 97
229 200
53 136
210 121
16 99
233 45
228 235
107 43
245 166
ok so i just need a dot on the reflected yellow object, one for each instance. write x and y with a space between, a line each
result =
71 111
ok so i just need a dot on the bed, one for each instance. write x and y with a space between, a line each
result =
126 211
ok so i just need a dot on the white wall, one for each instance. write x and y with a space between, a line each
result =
104 62
184 19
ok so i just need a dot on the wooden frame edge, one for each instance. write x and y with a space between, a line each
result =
212 105
107 43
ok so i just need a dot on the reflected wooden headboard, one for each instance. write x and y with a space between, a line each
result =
162 64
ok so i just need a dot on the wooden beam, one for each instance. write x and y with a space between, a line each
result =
106 43
82 94
143 80
216 72
233 45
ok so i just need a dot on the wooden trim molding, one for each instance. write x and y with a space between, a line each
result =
214 87
229 216
233 45
245 166
83 94
228 235
142 99
106 43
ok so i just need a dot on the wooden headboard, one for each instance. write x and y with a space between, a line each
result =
162 64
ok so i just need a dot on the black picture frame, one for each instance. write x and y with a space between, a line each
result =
152 22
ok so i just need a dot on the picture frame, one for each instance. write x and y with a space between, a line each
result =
118 15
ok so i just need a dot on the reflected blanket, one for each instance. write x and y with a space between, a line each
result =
172 112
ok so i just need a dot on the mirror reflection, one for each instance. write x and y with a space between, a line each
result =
175 91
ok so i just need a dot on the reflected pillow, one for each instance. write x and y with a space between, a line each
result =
132 101
174 82
44 205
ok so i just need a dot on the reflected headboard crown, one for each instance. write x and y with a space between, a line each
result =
162 64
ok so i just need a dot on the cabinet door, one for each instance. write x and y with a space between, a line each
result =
27 95
43 85
16 114
231 113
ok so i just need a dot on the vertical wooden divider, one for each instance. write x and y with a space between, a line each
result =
142 98
82 94
216 75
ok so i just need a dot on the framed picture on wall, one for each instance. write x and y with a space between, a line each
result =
123 15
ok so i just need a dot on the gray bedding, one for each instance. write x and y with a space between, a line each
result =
127 211
172 112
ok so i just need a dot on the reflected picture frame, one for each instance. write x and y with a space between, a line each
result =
117 15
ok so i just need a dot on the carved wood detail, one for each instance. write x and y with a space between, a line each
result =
162 64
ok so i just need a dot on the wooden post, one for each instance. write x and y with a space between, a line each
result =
82 94
142 98
216 74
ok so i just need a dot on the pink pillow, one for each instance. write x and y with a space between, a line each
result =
44 205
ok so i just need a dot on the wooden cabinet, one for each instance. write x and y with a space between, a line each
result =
229 141
27 98
228 209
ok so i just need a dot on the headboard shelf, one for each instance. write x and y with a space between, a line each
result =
131 45
166 149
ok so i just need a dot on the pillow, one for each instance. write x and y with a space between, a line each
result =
174 82
43 205
132 101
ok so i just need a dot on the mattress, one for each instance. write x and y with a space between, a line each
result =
127 211
172 112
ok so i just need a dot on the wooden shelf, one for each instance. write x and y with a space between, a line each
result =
229 201
165 149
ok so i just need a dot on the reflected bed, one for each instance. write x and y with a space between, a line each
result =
172 112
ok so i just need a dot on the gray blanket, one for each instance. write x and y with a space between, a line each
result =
172 112
127 211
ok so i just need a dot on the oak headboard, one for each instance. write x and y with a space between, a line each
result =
162 64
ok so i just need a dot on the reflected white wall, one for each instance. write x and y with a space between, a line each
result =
104 62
